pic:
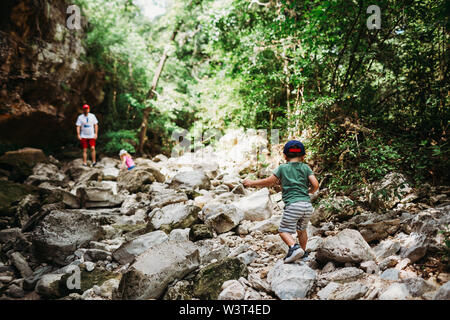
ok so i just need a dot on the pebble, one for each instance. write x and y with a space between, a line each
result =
89 266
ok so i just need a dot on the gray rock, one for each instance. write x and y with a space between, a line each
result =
163 197
61 232
258 283
175 216
222 217
350 291
388 192
370 267
9 234
326 292
209 251
200 232
248 257
21 264
209 279
414 247
337 207
98 197
314 243
110 173
15 291
443 293
135 180
180 290
418 286
232 290
96 255
291 281
257 206
153 270
29 283
328 267
270 225
342 275
347 246
127 252
385 249
179 234
48 285
46 172
389 262
390 274
378 230
396 291
191 180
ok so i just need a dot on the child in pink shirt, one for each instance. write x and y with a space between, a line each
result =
127 160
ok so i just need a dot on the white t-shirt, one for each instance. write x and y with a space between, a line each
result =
87 125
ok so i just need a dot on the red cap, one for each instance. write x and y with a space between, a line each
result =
86 106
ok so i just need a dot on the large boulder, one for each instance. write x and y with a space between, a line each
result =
68 198
257 206
222 217
336 208
208 282
161 196
20 162
131 249
342 275
291 281
174 216
61 232
443 293
347 246
386 248
135 180
153 270
375 231
134 202
430 223
413 246
98 197
191 180
11 194
46 172
388 192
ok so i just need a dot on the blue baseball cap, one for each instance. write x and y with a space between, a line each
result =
294 146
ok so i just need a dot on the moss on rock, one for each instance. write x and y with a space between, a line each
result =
209 280
88 279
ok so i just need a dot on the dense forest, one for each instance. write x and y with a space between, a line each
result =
370 100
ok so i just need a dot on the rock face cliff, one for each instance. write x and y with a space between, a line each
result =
43 78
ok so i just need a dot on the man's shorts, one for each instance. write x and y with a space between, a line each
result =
87 142
296 217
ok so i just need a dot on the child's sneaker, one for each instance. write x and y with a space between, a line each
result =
306 257
294 253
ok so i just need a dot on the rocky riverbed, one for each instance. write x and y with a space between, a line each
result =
185 228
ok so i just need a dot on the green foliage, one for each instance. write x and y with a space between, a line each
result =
369 101
122 139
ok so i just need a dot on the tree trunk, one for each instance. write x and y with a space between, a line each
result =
151 94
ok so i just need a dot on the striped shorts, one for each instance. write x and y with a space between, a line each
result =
296 216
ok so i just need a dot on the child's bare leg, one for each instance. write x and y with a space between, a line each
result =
302 238
287 238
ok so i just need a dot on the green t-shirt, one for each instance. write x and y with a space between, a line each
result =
294 181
